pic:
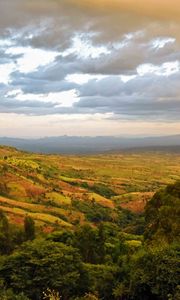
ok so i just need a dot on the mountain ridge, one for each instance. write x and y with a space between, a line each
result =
88 145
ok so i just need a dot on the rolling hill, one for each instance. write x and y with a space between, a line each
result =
63 191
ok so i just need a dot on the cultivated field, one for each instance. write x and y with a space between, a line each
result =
68 190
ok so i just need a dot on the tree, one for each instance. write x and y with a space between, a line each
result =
162 215
7 294
5 237
101 243
41 263
29 228
4 223
86 239
101 279
156 274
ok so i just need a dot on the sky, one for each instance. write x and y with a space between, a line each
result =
89 67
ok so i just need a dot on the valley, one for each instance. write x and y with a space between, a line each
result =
89 227
58 190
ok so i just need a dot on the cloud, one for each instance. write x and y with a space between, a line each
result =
117 58
143 97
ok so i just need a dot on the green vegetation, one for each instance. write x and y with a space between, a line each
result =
162 215
95 228
29 228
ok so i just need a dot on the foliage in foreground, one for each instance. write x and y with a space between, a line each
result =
101 262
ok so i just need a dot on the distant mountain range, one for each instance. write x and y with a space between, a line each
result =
90 145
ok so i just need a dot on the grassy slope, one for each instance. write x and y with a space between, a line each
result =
45 186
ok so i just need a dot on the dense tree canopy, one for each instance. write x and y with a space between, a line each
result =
162 215
95 262
41 264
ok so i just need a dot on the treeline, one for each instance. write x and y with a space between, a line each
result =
100 262
11 236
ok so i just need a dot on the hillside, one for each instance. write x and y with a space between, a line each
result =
74 227
69 190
